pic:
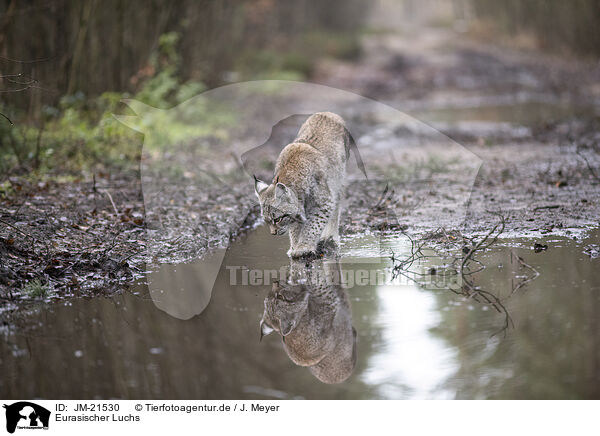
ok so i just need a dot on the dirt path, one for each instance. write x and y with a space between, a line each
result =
531 118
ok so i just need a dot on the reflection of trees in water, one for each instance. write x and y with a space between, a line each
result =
366 313
458 271
365 309
554 349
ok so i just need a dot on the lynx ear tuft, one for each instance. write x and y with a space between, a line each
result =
259 186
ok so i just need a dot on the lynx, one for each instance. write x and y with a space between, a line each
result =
304 196
315 322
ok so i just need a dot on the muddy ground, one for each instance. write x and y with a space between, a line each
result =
531 118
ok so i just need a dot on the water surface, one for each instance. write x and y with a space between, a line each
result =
412 343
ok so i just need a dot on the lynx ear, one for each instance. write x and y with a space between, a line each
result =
264 329
280 190
259 186
286 326
275 286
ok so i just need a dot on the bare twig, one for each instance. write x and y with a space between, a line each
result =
467 289
526 280
589 166
27 83
382 197
7 119
31 61
480 245
552 206
111 200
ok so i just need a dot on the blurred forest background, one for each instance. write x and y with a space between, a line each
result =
65 65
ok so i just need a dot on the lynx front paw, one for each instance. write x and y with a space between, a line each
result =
301 252
328 246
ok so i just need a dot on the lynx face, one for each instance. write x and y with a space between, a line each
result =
279 206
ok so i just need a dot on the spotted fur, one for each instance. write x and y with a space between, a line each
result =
304 197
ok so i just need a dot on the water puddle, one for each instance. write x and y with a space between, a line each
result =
362 336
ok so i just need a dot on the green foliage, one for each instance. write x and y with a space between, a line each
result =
337 45
6 189
159 88
82 134
36 289
185 123
270 64
189 90
164 89
297 61
167 49
8 157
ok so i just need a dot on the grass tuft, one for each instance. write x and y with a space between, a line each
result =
36 289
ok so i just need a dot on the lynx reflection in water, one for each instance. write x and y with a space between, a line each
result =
313 316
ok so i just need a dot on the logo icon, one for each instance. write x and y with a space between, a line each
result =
26 415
